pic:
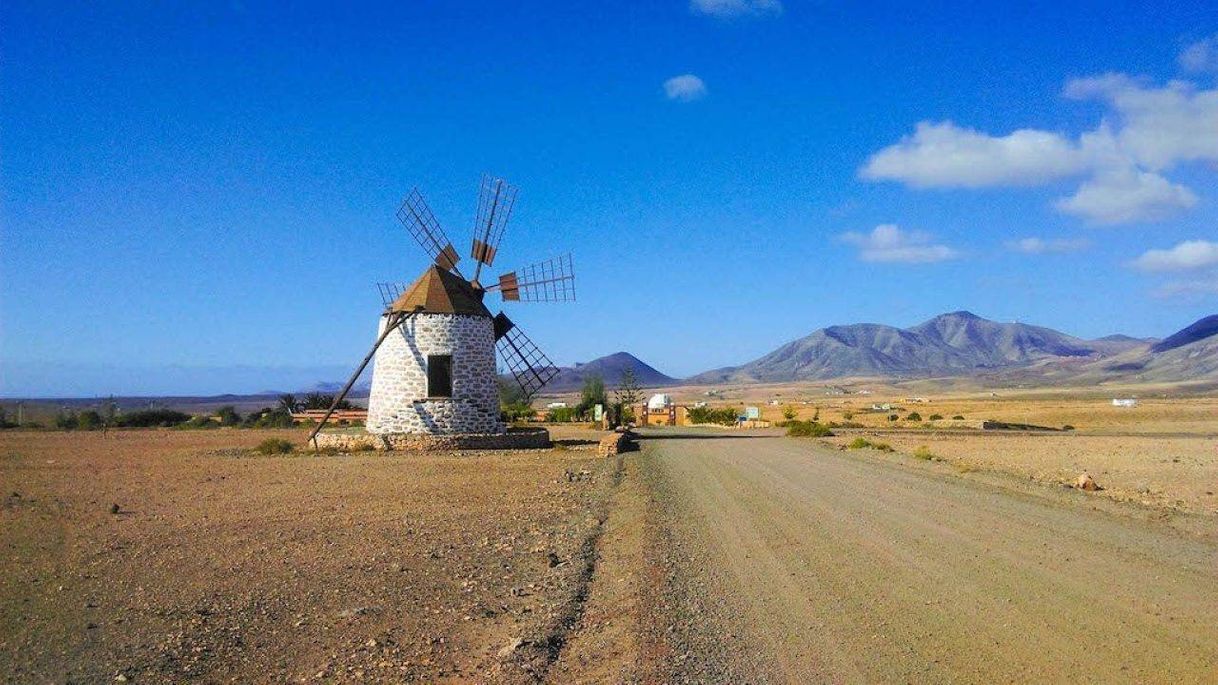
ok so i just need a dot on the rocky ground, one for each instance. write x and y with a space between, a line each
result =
164 556
706 556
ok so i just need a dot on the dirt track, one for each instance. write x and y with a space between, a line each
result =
791 561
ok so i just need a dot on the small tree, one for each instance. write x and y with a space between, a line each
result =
913 416
626 396
789 412
592 394
288 403
228 416
88 420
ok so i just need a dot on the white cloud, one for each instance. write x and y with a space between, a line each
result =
736 8
1120 165
1157 127
1127 195
684 88
888 243
1186 256
1201 56
944 155
1047 245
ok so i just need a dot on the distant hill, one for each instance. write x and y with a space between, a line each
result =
958 343
1200 330
609 368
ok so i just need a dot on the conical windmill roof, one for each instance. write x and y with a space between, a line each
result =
439 291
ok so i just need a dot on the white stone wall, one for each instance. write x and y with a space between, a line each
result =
399 402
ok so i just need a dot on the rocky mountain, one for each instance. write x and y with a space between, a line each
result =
609 368
1199 330
950 344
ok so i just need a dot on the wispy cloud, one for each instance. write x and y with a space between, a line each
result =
889 243
684 88
1047 245
1189 255
736 8
1201 56
1121 164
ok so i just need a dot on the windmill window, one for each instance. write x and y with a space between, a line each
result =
439 375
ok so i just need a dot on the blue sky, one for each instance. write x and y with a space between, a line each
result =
199 199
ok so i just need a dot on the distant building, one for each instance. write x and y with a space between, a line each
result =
659 402
1126 402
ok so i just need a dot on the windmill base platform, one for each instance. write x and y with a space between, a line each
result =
513 439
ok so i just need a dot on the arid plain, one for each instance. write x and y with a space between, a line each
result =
707 555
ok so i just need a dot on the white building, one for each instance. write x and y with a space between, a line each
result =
436 373
659 402
1126 402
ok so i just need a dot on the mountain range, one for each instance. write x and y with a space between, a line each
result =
957 344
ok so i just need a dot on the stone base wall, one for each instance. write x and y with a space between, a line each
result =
514 439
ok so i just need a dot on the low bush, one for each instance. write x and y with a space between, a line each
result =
789 412
935 417
516 411
274 446
560 415
808 429
201 421
913 416
723 416
228 416
1067 427
847 415
149 418
864 443
893 417
958 417
924 454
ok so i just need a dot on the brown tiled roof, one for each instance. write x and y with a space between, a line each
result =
439 291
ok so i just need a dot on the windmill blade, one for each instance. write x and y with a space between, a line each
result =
416 216
528 364
390 291
496 198
550 281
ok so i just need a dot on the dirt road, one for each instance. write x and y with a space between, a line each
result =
787 560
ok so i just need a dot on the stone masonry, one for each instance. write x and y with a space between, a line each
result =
399 401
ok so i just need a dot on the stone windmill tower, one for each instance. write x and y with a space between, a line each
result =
435 370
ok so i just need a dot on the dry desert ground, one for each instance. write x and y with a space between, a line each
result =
704 556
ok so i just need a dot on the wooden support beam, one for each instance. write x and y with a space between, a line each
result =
395 319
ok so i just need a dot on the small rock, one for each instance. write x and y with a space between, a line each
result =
508 649
1086 482
114 509
120 678
553 559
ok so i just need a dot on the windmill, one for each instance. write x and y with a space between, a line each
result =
435 369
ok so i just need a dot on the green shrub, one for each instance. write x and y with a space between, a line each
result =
936 417
516 411
864 443
893 417
723 416
148 418
808 429
65 421
958 417
200 421
789 412
88 420
924 454
560 415
228 416
913 416
847 415
274 446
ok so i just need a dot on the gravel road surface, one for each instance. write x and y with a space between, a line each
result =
789 561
